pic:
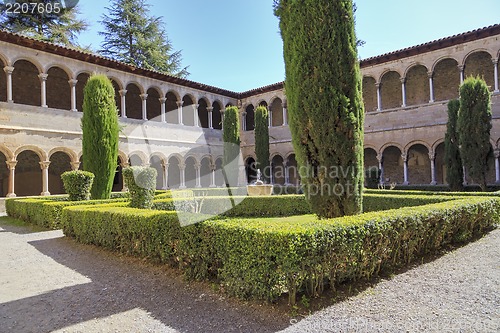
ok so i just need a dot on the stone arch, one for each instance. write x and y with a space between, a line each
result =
417 85
171 108
122 157
133 101
118 103
419 169
392 164
188 106
369 93
203 112
388 144
250 169
478 63
156 161
278 169
3 81
34 62
26 86
39 152
217 115
174 171
276 112
418 142
28 173
153 104
137 158
250 117
190 171
206 171
7 152
390 90
370 157
81 79
446 79
60 162
72 155
58 89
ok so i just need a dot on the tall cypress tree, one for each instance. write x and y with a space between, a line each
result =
453 161
132 36
231 138
100 134
51 21
262 141
323 88
473 127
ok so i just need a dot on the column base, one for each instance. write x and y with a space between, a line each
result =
434 183
406 183
11 195
44 194
198 186
212 186
182 187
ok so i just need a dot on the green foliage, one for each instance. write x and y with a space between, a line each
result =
100 134
141 183
49 22
262 142
231 137
77 184
473 128
453 162
323 88
132 36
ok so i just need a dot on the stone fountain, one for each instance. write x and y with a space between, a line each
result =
258 187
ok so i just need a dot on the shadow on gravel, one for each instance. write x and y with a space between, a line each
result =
121 283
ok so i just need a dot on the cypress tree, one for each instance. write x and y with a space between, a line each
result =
473 128
453 162
323 88
262 142
231 137
100 134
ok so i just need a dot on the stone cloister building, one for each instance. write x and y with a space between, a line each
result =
174 124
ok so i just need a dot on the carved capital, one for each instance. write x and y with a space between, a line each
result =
430 74
404 156
402 80
72 83
495 61
432 155
461 68
179 103
210 109
380 158
497 153
44 165
8 70
43 76
123 92
75 165
162 100
11 164
144 96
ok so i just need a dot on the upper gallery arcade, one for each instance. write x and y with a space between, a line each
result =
405 94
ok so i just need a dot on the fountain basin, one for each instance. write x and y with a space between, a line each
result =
259 190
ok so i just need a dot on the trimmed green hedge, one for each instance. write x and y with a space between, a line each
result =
141 183
77 184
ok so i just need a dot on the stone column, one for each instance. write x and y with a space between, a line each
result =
212 180
123 103
45 177
432 158
461 69
144 99
497 166
431 87
179 112
195 115
244 121
405 168
164 168
465 183
8 71
380 159
379 96
197 166
210 111
72 84
403 90
287 173
182 169
285 115
43 82
162 112
12 175
222 116
269 118
75 165
495 64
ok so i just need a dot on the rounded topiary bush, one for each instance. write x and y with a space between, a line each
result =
141 184
78 184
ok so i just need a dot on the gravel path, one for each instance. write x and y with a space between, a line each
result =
49 283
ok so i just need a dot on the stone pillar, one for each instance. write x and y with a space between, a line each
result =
8 71
379 96
405 168
179 112
431 87
497 166
285 116
461 69
164 168
465 183
75 165
222 116
162 112
212 180
72 84
287 173
144 99
123 103
195 115
43 82
269 118
210 111
12 175
182 169
403 91
45 177
495 64
197 167
380 160
432 158
244 121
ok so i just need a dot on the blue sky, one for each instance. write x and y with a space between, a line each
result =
235 44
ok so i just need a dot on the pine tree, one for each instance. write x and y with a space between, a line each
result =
134 37
453 162
473 128
262 141
231 138
51 21
100 134
323 87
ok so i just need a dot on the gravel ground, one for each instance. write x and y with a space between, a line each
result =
49 283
